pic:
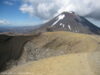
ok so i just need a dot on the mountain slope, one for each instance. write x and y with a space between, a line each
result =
76 54
70 22
51 44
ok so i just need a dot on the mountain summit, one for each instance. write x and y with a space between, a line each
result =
70 21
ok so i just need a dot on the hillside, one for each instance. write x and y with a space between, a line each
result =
59 43
77 54
11 47
71 64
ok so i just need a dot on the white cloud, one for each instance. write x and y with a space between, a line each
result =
4 22
48 8
42 8
25 8
8 3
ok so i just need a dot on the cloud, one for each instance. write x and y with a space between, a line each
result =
8 3
4 22
25 8
47 9
40 8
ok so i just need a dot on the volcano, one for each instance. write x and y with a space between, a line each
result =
70 21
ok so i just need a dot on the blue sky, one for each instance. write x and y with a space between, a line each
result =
10 13
34 12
